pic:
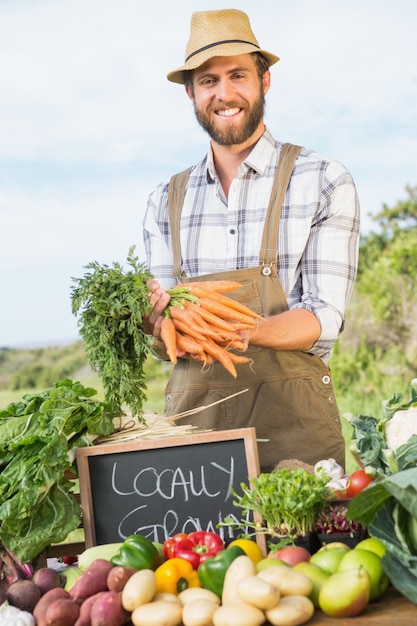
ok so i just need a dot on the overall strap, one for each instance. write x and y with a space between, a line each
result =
287 158
176 193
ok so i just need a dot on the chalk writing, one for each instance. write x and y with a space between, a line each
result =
173 483
160 488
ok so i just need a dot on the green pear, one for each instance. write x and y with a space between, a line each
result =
328 559
345 594
269 562
317 577
372 563
373 544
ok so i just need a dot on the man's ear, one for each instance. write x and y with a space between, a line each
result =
266 81
189 91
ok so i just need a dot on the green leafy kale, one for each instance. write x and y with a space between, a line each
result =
38 440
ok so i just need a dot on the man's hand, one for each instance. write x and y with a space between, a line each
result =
151 323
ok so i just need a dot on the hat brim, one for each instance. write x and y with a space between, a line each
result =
223 50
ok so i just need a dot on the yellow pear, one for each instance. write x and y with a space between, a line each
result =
345 594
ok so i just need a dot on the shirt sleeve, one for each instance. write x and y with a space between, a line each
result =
329 263
156 237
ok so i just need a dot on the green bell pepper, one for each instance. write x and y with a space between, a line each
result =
137 552
213 570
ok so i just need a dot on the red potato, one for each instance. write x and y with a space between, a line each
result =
39 612
107 610
84 617
118 577
92 580
62 612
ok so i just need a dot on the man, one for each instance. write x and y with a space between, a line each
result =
294 252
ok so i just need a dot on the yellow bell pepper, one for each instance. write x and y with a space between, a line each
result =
175 575
250 548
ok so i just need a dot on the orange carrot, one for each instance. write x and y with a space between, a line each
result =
168 336
208 316
225 300
233 344
188 344
184 327
220 286
239 358
221 355
197 326
223 310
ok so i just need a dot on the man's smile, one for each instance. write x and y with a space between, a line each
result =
227 112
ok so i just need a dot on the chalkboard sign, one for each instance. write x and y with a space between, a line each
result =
161 487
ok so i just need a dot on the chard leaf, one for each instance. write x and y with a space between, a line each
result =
38 440
364 506
403 487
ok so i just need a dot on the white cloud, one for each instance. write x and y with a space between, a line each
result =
89 124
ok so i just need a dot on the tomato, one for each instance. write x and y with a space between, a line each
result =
356 482
250 548
70 560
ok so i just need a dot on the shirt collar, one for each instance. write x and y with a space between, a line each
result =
262 155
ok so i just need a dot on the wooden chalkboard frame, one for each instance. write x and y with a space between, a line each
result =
86 454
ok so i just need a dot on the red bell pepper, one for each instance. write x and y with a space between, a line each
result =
195 547
170 543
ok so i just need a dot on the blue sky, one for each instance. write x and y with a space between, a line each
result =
89 125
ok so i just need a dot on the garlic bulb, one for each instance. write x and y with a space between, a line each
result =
330 468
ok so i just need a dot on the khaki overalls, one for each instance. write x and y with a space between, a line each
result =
289 398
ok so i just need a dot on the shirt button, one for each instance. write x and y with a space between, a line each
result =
168 397
232 231
326 379
331 399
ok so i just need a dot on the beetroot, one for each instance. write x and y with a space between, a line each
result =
23 594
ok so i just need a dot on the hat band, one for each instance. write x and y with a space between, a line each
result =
219 43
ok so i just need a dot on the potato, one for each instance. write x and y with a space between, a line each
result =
197 593
139 589
118 577
288 581
84 617
46 578
164 595
239 568
199 612
258 592
160 613
238 614
62 612
24 595
107 610
291 611
45 601
91 581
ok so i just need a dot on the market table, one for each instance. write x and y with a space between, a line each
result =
391 609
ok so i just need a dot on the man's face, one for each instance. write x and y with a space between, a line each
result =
229 98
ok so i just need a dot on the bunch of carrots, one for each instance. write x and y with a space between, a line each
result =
204 322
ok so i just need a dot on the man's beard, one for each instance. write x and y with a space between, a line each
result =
233 135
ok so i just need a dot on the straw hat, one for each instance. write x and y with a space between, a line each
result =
218 33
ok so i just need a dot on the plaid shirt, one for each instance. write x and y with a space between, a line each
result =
318 231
